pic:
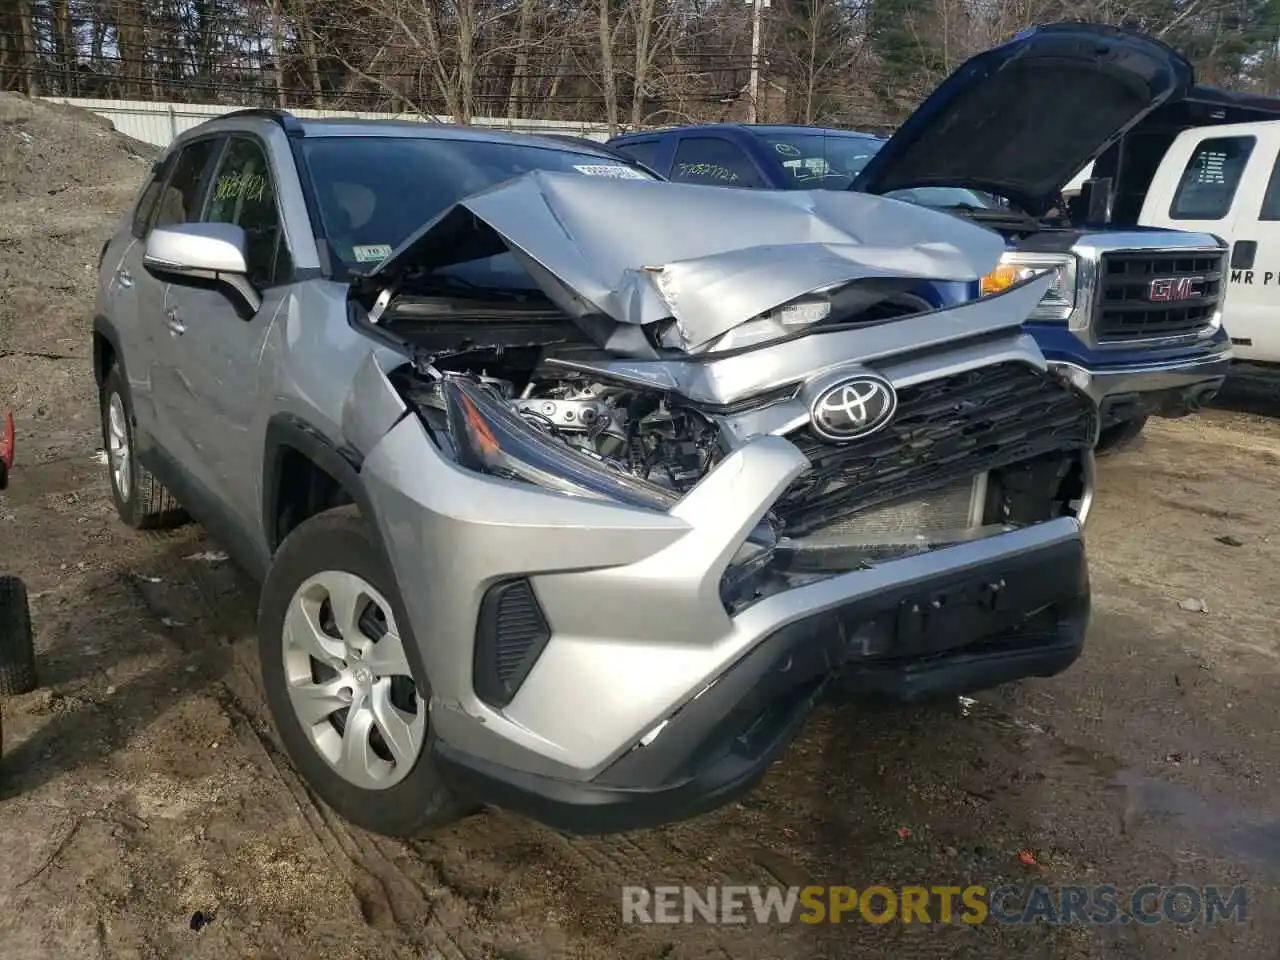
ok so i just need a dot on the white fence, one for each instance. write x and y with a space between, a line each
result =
159 123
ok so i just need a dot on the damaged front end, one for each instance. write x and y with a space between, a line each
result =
636 356
620 507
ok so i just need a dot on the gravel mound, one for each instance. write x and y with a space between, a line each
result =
66 177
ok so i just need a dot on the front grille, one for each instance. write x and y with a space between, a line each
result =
1126 311
945 431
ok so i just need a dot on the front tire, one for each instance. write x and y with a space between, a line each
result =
141 500
1119 435
352 715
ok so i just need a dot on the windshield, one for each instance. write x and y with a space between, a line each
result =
373 192
817 161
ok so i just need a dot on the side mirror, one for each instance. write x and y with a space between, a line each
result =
1095 200
203 252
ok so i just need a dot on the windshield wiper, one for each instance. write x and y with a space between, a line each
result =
988 213
454 286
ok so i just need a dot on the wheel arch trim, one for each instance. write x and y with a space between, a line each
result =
104 328
287 432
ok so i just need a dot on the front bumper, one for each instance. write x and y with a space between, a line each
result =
637 697
1163 389
721 744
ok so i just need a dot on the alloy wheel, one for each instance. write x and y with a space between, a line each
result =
118 447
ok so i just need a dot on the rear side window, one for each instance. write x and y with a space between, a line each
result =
1209 182
150 194
180 200
642 151
715 161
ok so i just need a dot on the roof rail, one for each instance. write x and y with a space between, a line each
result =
288 122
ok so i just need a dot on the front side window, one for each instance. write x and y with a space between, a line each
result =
714 161
180 200
642 151
244 193
366 212
1208 185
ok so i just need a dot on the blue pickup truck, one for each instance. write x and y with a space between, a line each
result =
1134 316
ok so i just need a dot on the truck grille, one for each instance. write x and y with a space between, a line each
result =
1128 311
945 431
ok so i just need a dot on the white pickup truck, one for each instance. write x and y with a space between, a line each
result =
1211 164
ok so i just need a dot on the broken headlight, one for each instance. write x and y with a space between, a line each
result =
490 437
1017 266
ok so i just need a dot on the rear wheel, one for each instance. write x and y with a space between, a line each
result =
17 644
1119 435
141 500
346 702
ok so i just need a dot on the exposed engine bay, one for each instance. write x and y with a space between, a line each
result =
859 504
605 378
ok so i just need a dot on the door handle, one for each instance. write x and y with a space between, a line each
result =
124 278
1242 254
175 325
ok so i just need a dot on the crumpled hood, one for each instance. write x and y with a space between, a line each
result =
711 258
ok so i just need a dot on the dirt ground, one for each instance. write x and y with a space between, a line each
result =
146 811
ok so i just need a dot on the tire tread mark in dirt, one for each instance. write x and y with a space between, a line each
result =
389 898
335 844
398 895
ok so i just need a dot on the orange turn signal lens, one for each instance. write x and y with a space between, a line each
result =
1001 278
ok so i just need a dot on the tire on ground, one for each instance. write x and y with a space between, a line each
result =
340 540
1119 435
17 646
148 505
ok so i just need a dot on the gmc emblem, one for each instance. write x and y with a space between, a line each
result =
1167 289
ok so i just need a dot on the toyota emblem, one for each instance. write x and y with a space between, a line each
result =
852 408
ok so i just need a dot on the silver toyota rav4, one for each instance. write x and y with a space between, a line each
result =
570 489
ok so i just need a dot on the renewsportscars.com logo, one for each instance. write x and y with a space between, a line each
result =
1096 904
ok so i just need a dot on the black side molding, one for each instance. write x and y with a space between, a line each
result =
288 432
103 328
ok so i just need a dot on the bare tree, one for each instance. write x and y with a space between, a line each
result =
854 63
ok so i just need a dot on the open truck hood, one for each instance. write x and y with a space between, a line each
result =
620 254
1021 119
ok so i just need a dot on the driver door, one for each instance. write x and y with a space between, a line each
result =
217 344
180 197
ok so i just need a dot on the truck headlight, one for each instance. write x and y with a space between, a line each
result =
1015 267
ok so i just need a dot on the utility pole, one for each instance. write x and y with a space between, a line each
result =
757 6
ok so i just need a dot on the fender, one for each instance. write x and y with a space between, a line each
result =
287 431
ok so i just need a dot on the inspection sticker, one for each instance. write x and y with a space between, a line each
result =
615 170
372 252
